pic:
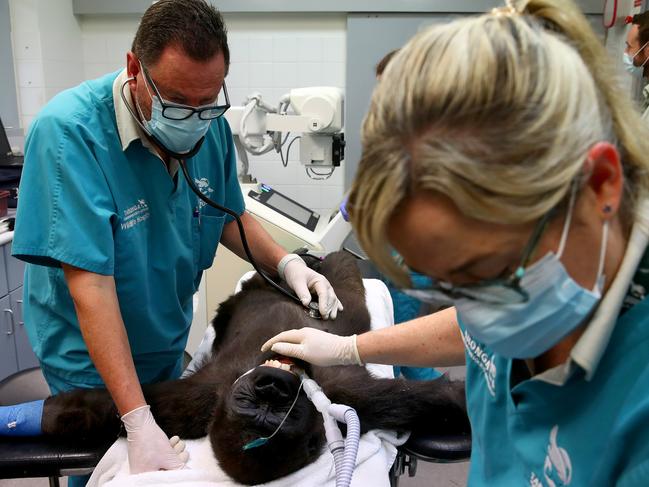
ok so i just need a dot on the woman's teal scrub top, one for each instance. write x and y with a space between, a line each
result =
88 202
589 429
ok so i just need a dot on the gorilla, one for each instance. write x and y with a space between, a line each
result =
233 409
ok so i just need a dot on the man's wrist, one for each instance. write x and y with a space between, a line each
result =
135 410
284 261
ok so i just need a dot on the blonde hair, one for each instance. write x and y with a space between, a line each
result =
496 112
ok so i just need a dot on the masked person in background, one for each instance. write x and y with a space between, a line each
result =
636 55
518 184
115 240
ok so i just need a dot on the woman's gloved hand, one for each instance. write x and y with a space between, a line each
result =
315 346
149 449
304 280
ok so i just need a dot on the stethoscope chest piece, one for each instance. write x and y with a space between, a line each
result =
313 311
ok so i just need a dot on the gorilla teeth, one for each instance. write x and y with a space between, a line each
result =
278 365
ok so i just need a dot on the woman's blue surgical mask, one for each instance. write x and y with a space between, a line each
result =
179 136
627 59
556 306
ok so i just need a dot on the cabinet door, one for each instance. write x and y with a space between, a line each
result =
4 288
15 269
25 354
8 361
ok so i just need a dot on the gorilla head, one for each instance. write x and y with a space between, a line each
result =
254 407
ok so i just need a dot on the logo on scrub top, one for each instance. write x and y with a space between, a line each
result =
203 185
557 468
135 214
482 359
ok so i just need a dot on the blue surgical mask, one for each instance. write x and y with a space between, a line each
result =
634 70
556 306
179 136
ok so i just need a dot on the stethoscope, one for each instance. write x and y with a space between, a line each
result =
312 309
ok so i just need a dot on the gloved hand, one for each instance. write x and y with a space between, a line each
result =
304 280
149 448
315 346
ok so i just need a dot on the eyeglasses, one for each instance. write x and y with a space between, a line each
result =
177 111
502 290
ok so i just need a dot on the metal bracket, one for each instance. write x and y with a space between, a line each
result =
20 302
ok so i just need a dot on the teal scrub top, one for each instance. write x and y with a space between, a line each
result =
86 202
585 433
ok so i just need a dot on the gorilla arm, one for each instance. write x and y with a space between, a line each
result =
181 407
435 406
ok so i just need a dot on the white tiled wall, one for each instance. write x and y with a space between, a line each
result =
269 53
46 42
28 59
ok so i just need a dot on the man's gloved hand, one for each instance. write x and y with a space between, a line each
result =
149 448
315 346
304 281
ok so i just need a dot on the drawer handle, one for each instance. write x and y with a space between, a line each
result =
11 322
20 302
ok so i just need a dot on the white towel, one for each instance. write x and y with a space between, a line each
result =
376 453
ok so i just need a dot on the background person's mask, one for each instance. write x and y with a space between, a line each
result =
634 70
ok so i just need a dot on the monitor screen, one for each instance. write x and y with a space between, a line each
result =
278 202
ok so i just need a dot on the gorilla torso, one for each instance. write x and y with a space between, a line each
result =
233 408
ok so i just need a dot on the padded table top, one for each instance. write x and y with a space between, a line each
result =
439 448
43 457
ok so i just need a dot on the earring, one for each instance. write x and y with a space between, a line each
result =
608 208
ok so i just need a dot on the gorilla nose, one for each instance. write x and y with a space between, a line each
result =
273 384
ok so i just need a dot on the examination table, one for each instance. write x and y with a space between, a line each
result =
40 457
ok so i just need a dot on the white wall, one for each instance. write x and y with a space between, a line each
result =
270 53
47 52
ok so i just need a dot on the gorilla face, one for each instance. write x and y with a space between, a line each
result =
254 407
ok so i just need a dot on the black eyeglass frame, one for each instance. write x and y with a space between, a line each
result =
167 105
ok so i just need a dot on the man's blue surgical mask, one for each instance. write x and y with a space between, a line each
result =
634 70
556 306
179 136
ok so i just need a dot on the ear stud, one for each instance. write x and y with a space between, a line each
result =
608 208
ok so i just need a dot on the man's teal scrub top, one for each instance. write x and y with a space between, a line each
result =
591 428
88 202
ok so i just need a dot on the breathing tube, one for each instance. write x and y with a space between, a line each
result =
181 160
343 451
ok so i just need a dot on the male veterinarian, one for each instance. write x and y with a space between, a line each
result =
114 238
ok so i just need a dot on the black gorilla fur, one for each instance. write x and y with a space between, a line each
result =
233 414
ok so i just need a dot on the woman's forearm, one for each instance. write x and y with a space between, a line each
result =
429 341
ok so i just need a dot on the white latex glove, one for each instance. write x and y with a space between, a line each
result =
304 280
315 346
149 448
